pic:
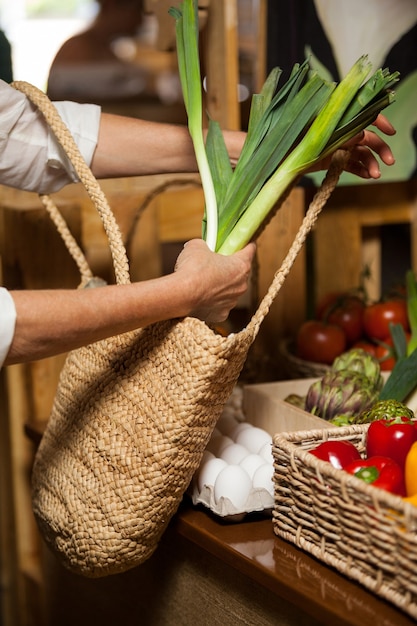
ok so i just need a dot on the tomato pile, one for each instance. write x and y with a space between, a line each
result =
344 321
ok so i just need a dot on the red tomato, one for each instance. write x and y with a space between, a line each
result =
348 314
368 346
378 316
320 342
326 302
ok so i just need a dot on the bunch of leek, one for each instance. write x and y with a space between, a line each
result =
290 129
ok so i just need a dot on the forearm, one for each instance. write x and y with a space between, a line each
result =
50 322
134 147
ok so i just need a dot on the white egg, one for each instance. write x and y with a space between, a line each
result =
234 484
262 478
208 472
206 457
266 452
253 438
238 429
251 462
223 444
234 454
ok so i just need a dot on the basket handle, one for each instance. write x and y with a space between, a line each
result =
63 135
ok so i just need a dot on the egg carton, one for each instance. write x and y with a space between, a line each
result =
259 500
241 454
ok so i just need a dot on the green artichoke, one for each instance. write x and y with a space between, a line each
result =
358 360
340 392
382 410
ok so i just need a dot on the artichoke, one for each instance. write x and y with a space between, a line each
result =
358 360
340 392
382 410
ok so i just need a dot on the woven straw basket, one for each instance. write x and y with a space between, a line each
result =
365 533
134 413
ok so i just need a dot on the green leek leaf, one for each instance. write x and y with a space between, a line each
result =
411 286
402 380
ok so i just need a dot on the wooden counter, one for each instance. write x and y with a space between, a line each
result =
217 573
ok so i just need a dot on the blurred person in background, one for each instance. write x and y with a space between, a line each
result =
110 63
87 67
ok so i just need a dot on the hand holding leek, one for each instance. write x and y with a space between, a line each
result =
291 129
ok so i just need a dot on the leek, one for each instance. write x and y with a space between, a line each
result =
189 70
290 129
411 286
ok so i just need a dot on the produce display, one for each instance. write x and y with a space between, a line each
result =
348 393
390 460
344 320
380 335
350 386
352 519
387 329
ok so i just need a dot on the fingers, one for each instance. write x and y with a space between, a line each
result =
375 143
365 147
384 125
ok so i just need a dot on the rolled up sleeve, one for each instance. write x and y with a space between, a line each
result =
31 158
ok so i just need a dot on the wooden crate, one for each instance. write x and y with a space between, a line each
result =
346 237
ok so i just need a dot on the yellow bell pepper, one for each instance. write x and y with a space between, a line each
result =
410 471
411 499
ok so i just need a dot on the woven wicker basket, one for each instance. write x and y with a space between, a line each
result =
365 533
294 367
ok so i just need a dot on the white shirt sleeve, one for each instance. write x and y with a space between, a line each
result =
7 323
30 157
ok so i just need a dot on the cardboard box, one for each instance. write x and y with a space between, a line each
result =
264 406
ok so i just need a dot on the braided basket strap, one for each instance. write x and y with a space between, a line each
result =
69 240
63 135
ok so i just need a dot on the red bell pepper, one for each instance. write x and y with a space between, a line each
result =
380 471
391 437
338 453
